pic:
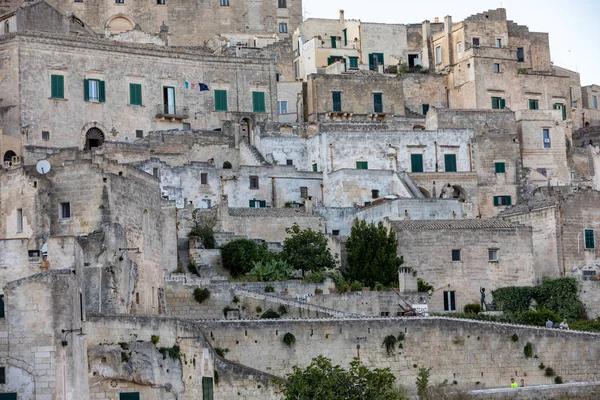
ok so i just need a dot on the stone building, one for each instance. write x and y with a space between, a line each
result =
458 257
591 111
155 88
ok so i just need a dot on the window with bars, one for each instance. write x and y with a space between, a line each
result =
65 210
304 192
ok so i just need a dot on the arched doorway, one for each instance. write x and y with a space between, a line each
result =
93 138
246 130
8 156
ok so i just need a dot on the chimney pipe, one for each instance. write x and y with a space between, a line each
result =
341 16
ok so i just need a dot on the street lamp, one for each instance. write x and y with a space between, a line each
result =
124 249
67 331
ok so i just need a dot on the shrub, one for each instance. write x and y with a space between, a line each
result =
515 337
356 286
192 268
269 289
273 270
217 377
240 255
206 236
173 352
258 309
423 381
528 350
558 380
315 277
270 314
318 291
473 308
549 372
591 325
201 294
289 339
221 351
424 286
236 300
536 318
282 310
541 366
389 342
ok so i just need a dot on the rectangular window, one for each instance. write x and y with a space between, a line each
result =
93 90
283 107
258 102
45 135
353 62
560 106
169 104
498 43
57 86
81 314
493 255
207 388
425 108
186 126
475 42
303 192
337 101
498 103
456 255
590 241
497 68
500 167
367 203
345 37
65 210
595 102
224 2
160 2
204 178
315 168
137 298
375 60
258 204
333 42
296 70
546 135
449 301
416 162
362 165
375 194
120 1
129 396
534 104
220 100
459 48
438 54
378 102
1 306
2 375
135 94
335 232
139 133
520 54
254 182
19 220
502 201
450 162
282 3
156 172
289 162
282 27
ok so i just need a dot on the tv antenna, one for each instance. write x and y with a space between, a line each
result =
43 167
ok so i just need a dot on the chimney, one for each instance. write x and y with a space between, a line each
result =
426 32
436 20
341 16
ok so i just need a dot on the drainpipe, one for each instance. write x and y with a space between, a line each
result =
176 233
436 157
331 155
273 194
322 195
470 157
562 240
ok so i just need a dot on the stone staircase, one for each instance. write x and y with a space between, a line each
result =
410 185
412 114
253 153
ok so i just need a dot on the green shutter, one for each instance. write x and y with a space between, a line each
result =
129 396
559 106
502 104
57 83
132 94
362 165
534 105
496 201
86 89
315 168
353 62
1 306
345 37
337 101
500 167
135 94
508 200
333 42
329 61
220 100
590 242
377 102
263 203
496 103
101 92
425 109
450 162
207 388
251 204
258 102
416 162
375 59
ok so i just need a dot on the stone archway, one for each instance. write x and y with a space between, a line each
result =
120 24
424 192
8 156
246 130
94 137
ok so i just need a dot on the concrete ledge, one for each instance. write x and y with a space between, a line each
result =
575 389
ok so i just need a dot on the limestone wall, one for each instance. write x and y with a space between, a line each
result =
589 293
474 354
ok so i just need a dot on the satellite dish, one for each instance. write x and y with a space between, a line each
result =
43 167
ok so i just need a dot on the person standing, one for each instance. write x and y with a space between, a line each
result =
549 323
564 325
513 384
522 383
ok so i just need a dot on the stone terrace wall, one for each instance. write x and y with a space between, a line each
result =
458 350
589 293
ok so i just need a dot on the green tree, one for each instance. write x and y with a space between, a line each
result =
372 255
324 381
240 255
275 270
307 250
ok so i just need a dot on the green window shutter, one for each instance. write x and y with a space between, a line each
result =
345 37
362 165
337 101
502 104
86 89
495 103
101 92
57 86
377 102
590 242
500 167
333 42
251 203
132 98
258 102
450 162
1 306
416 162
380 58
534 104
207 388
220 100
263 203
425 109
496 201
329 60
315 168
135 94
353 62
508 200
129 396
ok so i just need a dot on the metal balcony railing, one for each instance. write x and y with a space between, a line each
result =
170 111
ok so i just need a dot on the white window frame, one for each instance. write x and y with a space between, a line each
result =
493 255
19 220
61 210
498 43
283 107
438 54
93 90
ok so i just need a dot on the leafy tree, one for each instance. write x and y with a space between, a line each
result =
324 381
306 250
275 270
240 255
372 254
203 228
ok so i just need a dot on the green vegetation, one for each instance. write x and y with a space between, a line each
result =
192 268
549 372
270 314
154 339
372 255
269 289
324 381
423 286
389 342
289 339
239 256
423 382
173 352
270 271
514 337
528 350
282 310
307 250
558 380
203 228
473 308
221 351
201 295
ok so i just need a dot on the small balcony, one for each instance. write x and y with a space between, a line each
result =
171 112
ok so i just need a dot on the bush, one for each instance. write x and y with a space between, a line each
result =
515 337
389 342
513 298
289 339
206 236
240 255
528 350
154 339
173 352
282 310
271 271
192 268
356 286
424 286
591 325
221 351
269 289
258 309
558 380
473 308
536 318
270 314
549 372
201 294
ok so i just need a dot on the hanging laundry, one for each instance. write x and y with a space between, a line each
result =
193 85
187 85
203 87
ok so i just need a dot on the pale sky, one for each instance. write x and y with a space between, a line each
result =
574 26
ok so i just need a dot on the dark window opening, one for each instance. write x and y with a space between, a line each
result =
2 375
456 255
335 232
65 210
375 194
304 192
289 162
449 301
139 133
254 182
520 54
475 42
411 60
204 178
45 135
